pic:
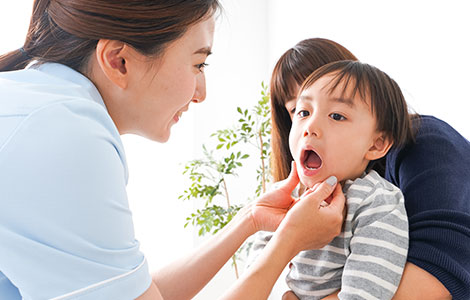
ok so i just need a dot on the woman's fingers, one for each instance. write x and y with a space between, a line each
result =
310 222
330 181
292 180
322 191
338 201
289 295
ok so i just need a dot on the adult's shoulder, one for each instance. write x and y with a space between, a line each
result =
435 168
432 127
56 107
437 147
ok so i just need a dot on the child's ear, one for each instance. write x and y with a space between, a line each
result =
379 148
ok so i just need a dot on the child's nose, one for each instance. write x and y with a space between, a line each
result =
313 127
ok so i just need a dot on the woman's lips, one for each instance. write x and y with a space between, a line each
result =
177 117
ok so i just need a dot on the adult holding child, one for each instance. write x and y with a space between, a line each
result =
89 71
433 173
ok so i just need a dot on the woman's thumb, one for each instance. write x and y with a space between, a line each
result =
291 182
325 189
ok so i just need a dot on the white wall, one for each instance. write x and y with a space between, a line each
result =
423 45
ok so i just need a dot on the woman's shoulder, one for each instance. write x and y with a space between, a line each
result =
433 172
52 98
431 126
436 144
25 91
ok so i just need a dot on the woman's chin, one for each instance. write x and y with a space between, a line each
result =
160 137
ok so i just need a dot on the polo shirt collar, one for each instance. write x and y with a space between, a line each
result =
66 73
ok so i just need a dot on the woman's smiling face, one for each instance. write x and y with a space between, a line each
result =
158 90
177 81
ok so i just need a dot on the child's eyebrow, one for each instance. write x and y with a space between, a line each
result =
305 98
348 101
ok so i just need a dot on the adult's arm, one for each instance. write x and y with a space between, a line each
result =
293 235
417 284
434 176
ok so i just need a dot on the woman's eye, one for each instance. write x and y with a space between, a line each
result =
201 66
303 113
292 111
337 117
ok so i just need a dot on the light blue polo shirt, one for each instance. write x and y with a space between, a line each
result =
66 231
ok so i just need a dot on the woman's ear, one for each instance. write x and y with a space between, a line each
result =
379 148
112 57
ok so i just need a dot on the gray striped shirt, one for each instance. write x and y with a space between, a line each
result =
366 260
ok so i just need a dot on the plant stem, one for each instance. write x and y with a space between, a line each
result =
234 257
226 192
263 170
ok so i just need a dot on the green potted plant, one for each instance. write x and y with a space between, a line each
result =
208 175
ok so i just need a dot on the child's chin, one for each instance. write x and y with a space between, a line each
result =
309 183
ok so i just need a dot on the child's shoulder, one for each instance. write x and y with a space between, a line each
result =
370 183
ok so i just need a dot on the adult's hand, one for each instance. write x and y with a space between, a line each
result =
289 295
310 224
271 208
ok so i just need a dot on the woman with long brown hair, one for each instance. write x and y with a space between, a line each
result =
89 71
433 172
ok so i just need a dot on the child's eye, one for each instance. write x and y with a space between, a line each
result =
303 113
201 66
337 117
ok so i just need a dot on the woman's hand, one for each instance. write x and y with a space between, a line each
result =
271 208
310 224
289 295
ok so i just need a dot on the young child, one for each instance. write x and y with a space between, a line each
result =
348 115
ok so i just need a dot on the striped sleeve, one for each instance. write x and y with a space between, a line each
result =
379 241
259 242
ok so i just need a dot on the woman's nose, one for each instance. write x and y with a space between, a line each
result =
200 91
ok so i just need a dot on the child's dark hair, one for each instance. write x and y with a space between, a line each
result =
292 68
387 102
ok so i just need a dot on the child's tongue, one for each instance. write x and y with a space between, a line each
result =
312 161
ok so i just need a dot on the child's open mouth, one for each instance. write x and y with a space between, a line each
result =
311 161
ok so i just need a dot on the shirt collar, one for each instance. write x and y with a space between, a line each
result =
69 74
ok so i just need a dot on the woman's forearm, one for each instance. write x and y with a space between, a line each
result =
258 281
417 284
184 278
306 225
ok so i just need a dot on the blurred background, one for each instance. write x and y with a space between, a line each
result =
423 45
